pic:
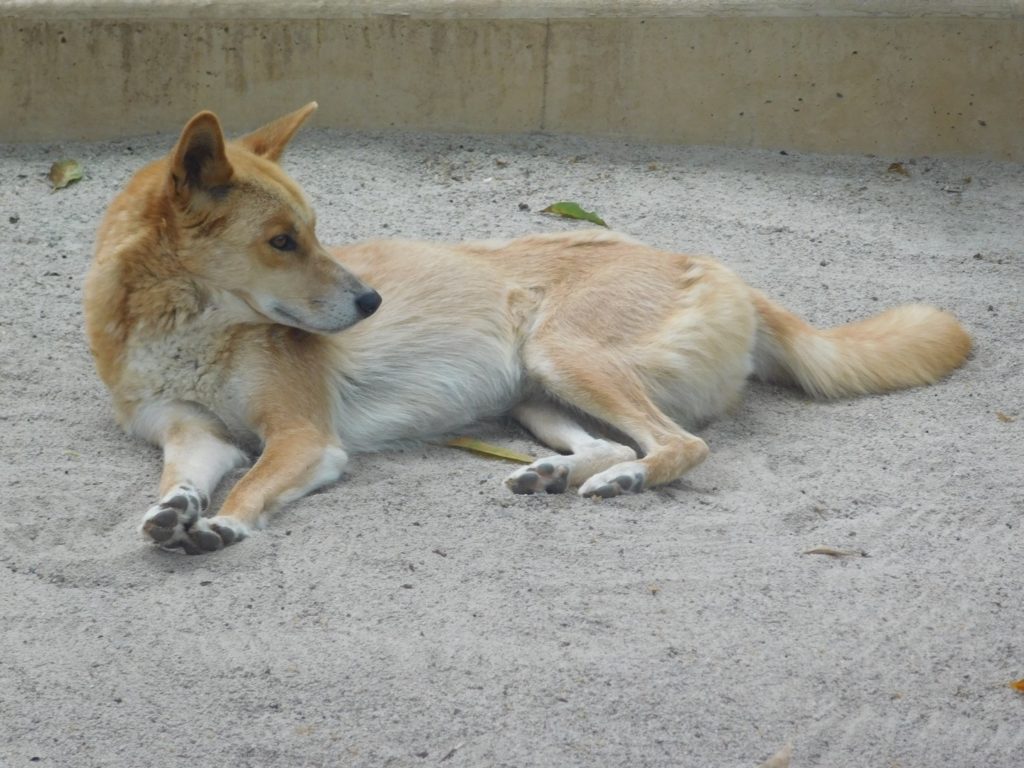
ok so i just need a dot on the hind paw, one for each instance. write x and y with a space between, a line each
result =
628 477
176 522
547 475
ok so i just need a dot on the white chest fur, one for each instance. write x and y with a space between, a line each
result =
192 362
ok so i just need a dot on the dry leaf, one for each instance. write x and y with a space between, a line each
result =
898 168
780 759
1005 417
64 172
1018 685
834 552
486 449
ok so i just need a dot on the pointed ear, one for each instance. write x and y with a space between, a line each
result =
270 140
199 161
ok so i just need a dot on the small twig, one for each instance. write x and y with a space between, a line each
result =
834 552
451 752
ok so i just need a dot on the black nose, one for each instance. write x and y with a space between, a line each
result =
368 303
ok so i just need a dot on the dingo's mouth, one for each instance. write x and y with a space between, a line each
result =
295 321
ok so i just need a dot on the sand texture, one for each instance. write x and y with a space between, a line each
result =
417 613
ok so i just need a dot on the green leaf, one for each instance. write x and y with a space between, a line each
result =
486 449
64 172
574 211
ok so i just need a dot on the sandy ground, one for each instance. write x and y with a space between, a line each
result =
416 613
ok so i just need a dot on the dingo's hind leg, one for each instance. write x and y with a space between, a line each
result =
593 381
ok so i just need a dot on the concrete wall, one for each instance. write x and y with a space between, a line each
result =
890 77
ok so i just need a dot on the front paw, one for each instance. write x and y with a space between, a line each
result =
167 520
176 522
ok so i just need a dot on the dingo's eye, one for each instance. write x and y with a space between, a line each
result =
283 243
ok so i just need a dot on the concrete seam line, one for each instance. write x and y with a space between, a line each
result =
505 9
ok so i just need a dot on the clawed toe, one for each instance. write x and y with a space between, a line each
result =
227 533
204 538
160 526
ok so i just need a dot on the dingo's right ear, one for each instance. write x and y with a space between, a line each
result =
270 140
199 161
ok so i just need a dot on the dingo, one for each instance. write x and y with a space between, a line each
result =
217 319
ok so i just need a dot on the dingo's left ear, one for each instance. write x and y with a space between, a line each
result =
270 140
199 161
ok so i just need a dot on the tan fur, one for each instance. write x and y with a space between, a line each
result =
904 347
217 319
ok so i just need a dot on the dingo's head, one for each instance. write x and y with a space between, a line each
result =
245 228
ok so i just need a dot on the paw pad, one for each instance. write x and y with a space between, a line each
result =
614 482
545 475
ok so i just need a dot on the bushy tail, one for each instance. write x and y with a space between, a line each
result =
904 347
